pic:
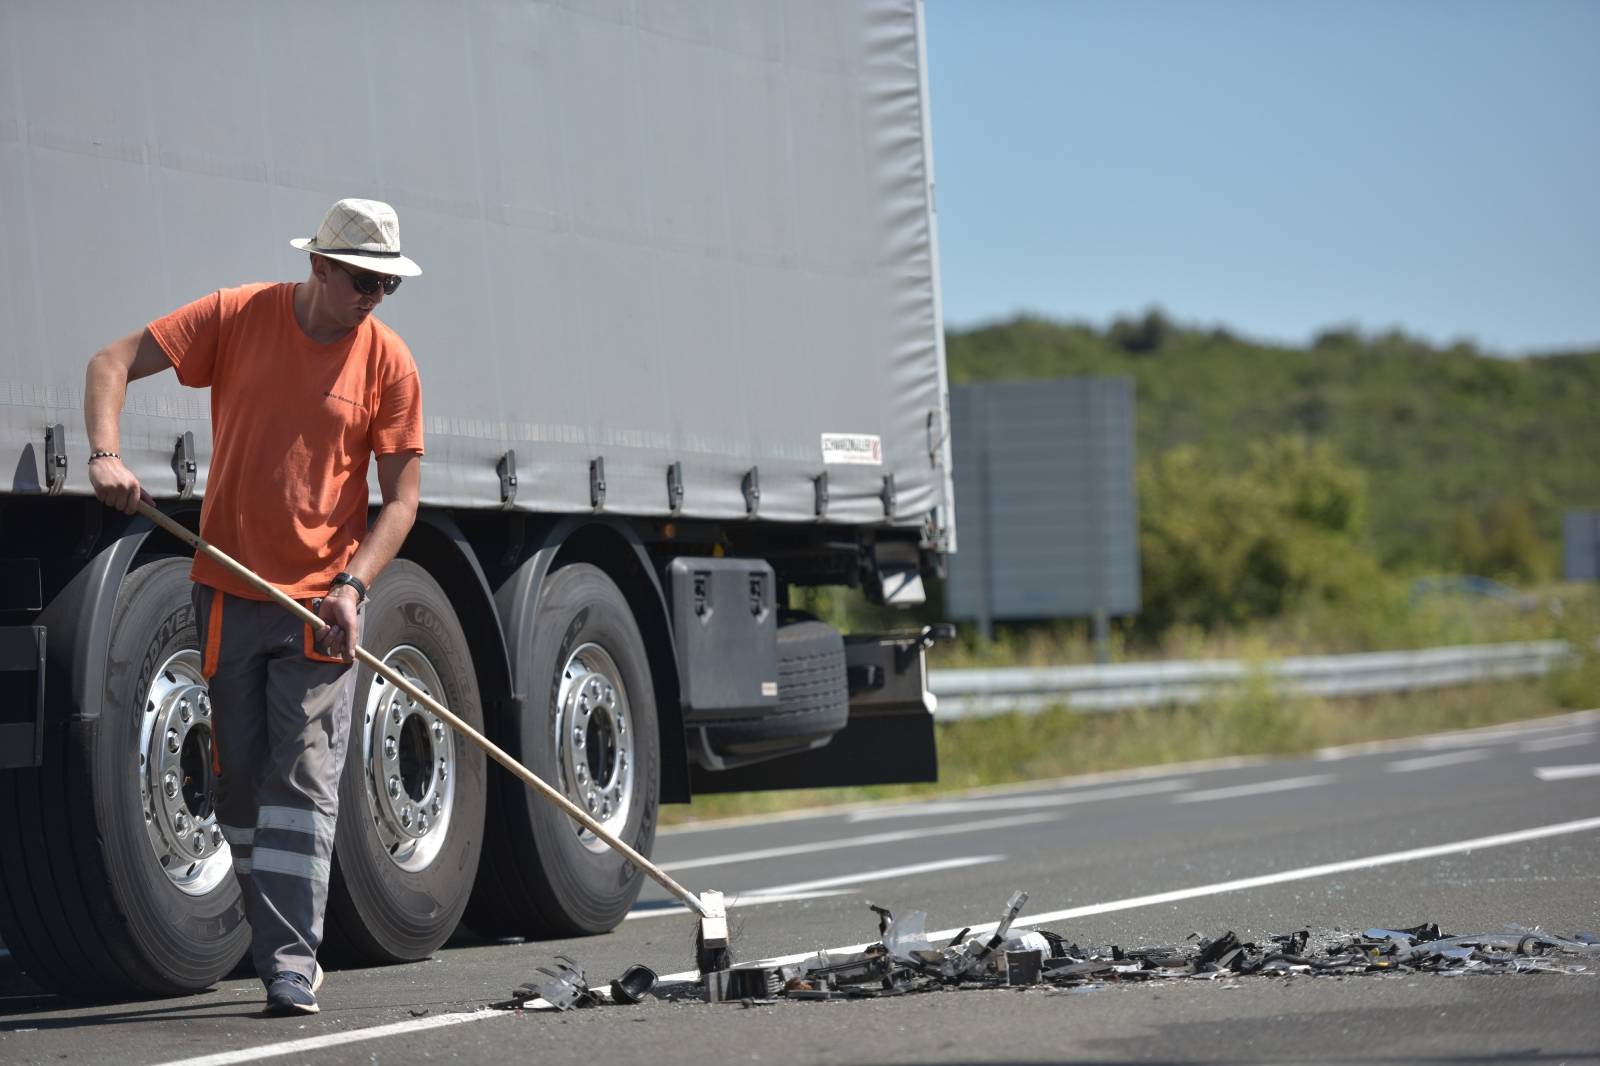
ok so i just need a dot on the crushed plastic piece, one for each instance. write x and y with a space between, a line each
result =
1022 967
906 961
744 982
563 986
634 984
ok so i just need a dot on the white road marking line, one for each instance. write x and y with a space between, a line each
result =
1283 784
883 875
1138 773
314 1043
823 887
1017 803
751 899
1428 762
1461 738
1389 858
857 842
1566 740
353 1036
1566 773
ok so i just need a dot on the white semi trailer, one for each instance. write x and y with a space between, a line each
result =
680 343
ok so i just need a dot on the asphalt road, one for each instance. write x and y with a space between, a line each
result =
1471 830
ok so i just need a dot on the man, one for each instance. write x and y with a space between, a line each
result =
306 386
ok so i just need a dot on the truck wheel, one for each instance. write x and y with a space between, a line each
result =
588 728
116 878
813 696
412 796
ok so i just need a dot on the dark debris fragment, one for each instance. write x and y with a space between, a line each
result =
905 961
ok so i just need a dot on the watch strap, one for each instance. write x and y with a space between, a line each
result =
344 577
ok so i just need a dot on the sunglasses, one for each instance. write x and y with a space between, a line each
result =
367 283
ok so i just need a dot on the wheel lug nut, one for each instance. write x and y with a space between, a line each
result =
216 837
438 805
170 784
396 715
444 771
390 748
205 706
199 842
172 741
394 788
422 822
180 822
184 712
405 817
438 730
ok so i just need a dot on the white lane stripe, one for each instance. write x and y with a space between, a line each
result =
1462 738
1283 784
1428 762
857 842
1389 858
1566 773
354 1036
678 910
1566 740
230 1058
1017 803
1138 773
881 875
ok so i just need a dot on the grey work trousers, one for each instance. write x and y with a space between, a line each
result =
281 727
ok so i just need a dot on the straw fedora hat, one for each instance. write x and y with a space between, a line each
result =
363 233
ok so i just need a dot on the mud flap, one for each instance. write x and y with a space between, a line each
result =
889 738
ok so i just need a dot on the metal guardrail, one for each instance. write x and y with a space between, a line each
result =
975 693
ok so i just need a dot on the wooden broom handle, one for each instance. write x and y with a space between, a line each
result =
489 747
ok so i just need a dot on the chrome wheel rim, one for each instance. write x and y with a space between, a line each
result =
409 759
176 783
594 741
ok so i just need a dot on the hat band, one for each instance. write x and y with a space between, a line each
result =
352 251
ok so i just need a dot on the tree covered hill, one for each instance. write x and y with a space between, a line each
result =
1469 459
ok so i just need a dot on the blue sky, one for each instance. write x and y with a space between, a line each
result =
1275 167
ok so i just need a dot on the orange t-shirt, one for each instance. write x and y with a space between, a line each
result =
293 426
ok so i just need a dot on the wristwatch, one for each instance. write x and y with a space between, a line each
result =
345 577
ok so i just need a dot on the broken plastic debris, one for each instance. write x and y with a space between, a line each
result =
906 961
634 984
564 986
744 982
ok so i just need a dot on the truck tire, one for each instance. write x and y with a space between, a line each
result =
411 799
589 728
114 879
813 696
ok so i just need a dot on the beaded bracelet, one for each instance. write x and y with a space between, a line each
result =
103 455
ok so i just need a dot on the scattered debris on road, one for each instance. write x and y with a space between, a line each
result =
905 961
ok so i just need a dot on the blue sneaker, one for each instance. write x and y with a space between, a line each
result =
290 993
